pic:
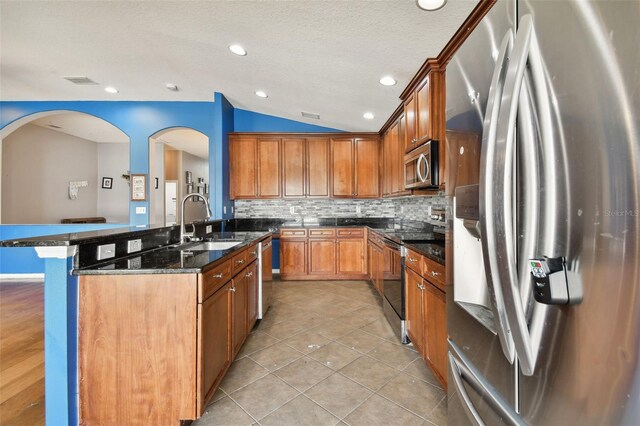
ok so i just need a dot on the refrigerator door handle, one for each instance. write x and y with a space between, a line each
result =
487 188
462 369
525 48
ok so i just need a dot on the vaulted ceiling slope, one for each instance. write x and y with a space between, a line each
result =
318 56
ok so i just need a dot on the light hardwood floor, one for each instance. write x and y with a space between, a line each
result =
21 353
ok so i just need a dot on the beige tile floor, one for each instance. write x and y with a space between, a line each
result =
325 355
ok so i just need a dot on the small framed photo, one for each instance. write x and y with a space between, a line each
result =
138 187
107 183
157 182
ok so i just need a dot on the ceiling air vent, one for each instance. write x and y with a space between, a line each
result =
53 126
81 80
311 115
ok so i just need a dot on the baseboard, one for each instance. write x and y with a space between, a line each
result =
21 277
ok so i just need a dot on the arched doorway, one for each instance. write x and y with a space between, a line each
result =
63 167
178 166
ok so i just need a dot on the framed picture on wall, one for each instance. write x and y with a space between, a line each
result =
138 187
107 183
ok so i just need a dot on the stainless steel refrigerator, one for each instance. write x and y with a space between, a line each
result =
553 90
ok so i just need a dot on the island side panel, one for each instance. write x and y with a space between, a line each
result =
137 348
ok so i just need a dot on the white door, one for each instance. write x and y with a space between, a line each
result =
170 202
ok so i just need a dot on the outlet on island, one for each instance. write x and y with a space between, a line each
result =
134 246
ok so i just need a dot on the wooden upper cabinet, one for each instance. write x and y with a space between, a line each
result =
269 168
410 123
387 160
342 163
293 168
243 168
318 167
367 168
423 107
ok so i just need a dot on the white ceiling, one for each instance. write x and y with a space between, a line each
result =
84 126
318 56
188 140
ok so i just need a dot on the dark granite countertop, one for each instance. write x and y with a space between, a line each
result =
174 259
85 237
431 250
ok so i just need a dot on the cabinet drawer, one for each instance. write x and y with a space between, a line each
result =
252 253
434 272
238 262
351 232
323 233
293 233
213 279
414 261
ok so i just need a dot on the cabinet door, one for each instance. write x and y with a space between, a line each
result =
387 160
342 163
322 256
293 168
269 168
242 168
351 256
252 295
423 108
214 331
239 311
318 167
367 168
410 124
435 329
293 257
395 159
414 319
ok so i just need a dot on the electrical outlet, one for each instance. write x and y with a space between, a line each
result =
224 209
134 246
292 210
358 209
232 209
401 209
106 251
209 229
141 210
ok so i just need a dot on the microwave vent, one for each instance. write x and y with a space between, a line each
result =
311 115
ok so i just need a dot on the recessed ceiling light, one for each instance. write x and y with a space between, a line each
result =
238 50
368 115
172 87
261 94
430 5
388 81
110 89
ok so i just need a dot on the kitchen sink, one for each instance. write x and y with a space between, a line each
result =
213 245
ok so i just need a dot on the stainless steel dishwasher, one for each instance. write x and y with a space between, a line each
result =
265 275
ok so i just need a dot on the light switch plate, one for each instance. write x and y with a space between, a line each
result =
141 210
134 246
106 251
209 229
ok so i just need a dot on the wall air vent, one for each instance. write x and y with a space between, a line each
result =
81 80
311 115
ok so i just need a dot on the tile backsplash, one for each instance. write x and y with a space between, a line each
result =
412 208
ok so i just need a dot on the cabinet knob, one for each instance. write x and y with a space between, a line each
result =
218 275
411 259
232 289
240 262
253 253
434 274
248 274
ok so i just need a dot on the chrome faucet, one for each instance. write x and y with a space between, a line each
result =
184 235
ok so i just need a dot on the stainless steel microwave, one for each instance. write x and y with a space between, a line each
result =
421 167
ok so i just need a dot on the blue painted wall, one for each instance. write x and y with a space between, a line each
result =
249 121
140 120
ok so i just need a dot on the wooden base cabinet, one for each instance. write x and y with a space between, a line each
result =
214 323
153 349
426 318
323 253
